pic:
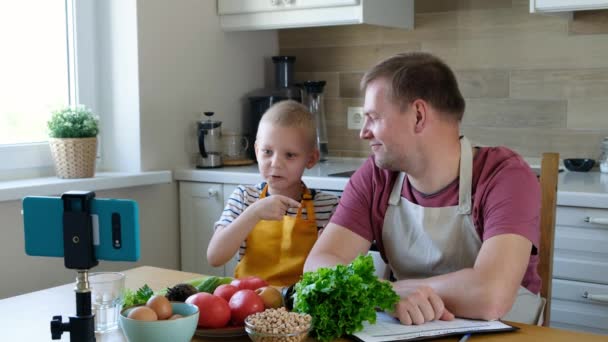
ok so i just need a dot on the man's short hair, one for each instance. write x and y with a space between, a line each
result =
290 113
419 75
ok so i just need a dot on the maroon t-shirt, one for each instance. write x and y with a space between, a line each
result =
505 194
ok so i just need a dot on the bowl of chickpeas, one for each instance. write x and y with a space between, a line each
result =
278 325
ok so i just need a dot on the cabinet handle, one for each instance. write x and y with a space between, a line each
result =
275 2
596 297
597 220
289 2
213 192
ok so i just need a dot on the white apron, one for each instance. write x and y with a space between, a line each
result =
423 242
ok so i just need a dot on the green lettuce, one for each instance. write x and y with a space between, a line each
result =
341 298
138 297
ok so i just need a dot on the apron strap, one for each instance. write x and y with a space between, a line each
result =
466 177
395 196
307 200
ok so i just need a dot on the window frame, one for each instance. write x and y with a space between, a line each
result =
19 160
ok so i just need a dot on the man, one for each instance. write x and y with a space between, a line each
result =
458 226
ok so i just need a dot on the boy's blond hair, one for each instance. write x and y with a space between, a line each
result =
290 113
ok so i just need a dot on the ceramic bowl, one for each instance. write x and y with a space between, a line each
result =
177 330
579 164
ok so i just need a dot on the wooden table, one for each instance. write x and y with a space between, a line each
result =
27 317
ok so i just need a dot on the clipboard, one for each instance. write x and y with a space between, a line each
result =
388 328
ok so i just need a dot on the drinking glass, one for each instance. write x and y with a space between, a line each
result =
106 299
235 145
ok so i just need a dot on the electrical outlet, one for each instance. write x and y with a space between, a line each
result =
355 117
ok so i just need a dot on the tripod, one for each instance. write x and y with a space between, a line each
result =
79 254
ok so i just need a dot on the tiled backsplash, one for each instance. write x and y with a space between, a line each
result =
536 83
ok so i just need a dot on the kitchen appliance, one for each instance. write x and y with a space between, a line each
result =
209 134
260 100
313 99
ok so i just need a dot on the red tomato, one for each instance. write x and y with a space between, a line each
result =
214 312
225 291
250 283
244 303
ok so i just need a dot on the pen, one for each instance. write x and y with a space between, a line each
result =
464 338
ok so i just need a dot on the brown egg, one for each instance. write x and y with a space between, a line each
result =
176 316
160 305
143 313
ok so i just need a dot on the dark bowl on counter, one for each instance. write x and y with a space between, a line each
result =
579 164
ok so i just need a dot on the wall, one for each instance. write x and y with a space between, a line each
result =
187 66
536 83
161 63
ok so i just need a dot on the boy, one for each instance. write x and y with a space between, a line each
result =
274 224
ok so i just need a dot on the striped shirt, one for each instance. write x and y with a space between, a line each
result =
244 195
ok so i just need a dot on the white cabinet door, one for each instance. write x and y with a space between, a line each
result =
580 264
566 5
230 266
201 204
249 15
252 6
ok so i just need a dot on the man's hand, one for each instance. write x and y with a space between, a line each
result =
420 306
273 207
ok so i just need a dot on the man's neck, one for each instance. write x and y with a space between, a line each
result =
439 168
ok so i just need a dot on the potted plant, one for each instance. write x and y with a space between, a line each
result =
73 140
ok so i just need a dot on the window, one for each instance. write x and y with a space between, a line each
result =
47 62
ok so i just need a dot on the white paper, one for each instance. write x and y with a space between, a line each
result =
388 328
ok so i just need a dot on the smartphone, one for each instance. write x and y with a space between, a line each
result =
115 227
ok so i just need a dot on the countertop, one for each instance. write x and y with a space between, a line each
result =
580 189
26 317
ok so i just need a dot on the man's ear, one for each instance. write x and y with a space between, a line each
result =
420 110
313 158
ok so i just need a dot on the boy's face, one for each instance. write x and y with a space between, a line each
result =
283 153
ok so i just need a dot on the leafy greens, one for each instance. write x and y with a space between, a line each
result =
140 296
341 298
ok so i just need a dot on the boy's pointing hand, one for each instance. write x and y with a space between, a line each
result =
273 207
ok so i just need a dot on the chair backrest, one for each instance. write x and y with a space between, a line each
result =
548 183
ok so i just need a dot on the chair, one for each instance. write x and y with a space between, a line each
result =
548 185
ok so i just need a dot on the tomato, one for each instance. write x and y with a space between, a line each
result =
244 303
250 283
214 312
225 291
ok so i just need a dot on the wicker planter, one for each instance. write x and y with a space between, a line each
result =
74 158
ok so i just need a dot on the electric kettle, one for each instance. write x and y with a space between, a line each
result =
209 142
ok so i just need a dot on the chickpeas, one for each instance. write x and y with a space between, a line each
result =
279 321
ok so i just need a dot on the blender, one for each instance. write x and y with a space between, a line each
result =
209 142
313 99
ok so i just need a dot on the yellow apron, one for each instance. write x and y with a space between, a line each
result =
276 250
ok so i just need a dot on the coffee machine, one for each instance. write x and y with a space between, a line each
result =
209 134
261 99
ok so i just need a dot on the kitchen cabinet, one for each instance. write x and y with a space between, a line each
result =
241 15
201 204
566 5
580 264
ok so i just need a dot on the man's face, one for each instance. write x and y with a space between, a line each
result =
388 129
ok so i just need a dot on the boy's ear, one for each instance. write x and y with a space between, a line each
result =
313 159
255 149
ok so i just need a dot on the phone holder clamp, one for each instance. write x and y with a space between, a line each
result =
79 254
